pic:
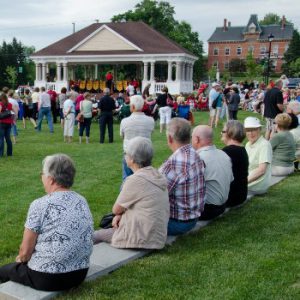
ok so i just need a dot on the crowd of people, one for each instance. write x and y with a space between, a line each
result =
197 182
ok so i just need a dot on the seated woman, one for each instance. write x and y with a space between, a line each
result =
233 135
283 146
259 151
142 207
57 241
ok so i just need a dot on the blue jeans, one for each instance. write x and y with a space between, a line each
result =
45 111
14 130
85 125
125 170
5 134
176 227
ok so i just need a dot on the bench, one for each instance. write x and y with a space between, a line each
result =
104 260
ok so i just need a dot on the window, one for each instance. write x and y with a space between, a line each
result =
275 49
263 50
216 51
226 65
216 64
239 50
227 51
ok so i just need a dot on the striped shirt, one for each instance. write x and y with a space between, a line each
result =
184 171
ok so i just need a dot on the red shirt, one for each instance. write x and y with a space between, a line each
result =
53 95
109 76
8 120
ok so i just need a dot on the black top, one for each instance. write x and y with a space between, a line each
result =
162 99
272 98
239 186
234 101
107 104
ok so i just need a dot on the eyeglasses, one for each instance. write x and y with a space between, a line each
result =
223 131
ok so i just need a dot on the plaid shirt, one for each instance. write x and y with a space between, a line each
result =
184 171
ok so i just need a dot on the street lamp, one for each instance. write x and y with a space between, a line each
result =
270 39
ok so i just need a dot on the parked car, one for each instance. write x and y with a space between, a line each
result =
294 83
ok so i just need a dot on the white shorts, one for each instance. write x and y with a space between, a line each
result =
212 112
69 125
165 114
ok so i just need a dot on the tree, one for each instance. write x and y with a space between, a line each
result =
160 16
295 67
253 70
271 18
12 75
292 53
16 55
212 73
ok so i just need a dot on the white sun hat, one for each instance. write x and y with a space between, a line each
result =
252 122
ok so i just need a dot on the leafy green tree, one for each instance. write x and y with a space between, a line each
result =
295 67
271 18
160 16
253 70
292 54
237 65
12 76
16 55
212 73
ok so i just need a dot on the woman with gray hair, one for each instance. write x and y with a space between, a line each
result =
233 135
142 207
57 242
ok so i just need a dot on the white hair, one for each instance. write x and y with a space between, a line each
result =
137 101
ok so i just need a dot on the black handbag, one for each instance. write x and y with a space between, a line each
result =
106 221
5 114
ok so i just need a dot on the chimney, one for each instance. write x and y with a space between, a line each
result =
283 21
225 25
229 24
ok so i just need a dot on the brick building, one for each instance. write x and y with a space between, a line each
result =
231 42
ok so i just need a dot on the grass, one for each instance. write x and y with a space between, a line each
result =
250 253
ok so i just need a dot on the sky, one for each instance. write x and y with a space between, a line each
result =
40 23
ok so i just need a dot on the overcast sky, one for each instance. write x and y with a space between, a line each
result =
40 23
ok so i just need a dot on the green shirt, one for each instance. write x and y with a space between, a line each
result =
260 152
284 149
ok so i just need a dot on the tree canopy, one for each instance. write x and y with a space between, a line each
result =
291 55
271 18
15 66
160 16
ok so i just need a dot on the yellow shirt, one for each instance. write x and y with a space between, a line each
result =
260 152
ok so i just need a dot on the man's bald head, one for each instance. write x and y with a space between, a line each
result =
202 136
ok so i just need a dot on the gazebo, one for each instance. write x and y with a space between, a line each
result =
117 44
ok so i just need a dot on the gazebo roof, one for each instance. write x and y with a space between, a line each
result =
129 38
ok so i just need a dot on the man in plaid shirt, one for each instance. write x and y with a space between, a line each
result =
184 171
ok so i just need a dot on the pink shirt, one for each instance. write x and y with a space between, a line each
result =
78 100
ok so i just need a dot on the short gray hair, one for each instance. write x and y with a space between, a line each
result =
61 168
137 101
140 150
106 91
180 130
235 130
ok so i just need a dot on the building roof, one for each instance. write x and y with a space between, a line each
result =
132 37
236 33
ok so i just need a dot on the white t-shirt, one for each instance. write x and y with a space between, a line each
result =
137 124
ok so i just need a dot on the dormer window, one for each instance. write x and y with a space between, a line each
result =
252 28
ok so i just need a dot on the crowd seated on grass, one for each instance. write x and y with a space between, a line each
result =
142 207
57 242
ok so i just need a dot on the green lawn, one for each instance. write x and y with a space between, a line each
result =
250 253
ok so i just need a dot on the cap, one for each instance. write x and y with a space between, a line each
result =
214 84
252 122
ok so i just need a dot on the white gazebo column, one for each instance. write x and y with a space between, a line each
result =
191 72
44 65
65 71
37 71
183 71
58 71
169 71
178 70
152 71
145 71
96 71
